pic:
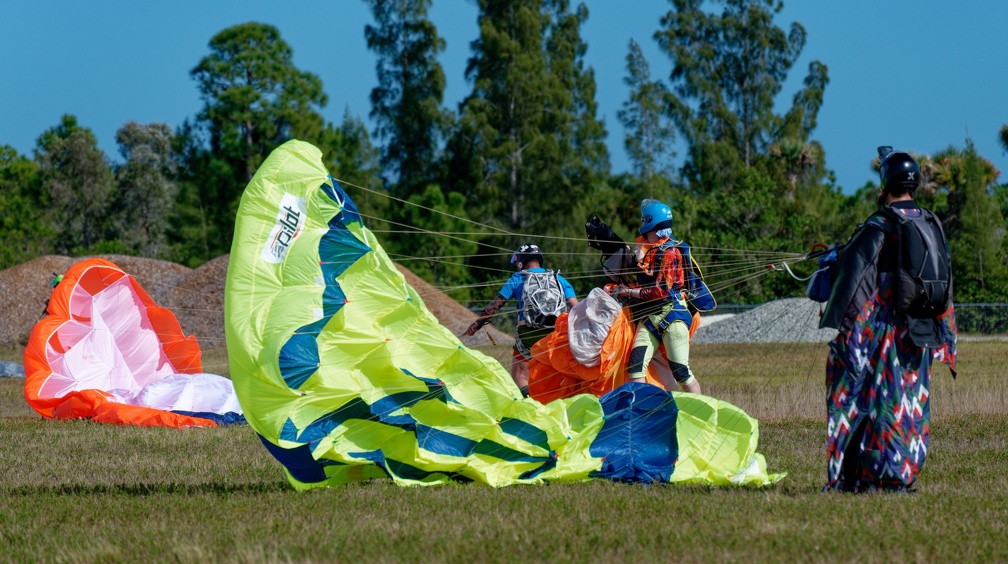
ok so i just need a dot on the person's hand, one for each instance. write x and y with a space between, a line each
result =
472 329
617 291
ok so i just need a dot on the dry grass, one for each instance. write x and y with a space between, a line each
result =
78 491
786 380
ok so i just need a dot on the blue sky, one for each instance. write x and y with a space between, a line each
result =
916 75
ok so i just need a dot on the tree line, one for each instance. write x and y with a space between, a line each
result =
521 158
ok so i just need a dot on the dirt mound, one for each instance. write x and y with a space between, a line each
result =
195 296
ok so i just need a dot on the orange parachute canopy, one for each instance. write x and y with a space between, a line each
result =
108 353
555 373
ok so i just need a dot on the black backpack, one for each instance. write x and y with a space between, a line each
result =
924 270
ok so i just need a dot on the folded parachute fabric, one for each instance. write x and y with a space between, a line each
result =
106 352
557 369
346 375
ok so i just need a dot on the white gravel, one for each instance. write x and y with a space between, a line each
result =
791 320
707 320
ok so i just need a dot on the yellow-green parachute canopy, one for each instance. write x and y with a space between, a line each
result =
346 375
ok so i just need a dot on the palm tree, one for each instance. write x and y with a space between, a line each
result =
946 169
796 158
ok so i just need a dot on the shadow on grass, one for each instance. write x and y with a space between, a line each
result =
139 490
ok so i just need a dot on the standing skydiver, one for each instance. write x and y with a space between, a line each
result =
669 290
891 301
541 295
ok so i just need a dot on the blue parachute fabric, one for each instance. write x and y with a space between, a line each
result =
298 461
222 419
637 442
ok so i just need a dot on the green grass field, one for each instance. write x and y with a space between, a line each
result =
78 491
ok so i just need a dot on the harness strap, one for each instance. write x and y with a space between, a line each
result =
663 325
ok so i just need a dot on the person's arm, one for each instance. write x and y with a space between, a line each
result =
669 279
854 279
486 315
568 292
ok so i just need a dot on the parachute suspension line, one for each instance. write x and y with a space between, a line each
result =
714 282
499 231
509 233
569 275
404 258
708 251
432 210
716 273
413 229
504 232
720 285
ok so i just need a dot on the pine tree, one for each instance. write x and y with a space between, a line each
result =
254 99
77 178
649 138
728 70
580 134
503 121
529 144
406 104
145 189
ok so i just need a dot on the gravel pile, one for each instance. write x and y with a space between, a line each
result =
791 320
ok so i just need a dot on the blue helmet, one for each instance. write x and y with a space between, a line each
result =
654 216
